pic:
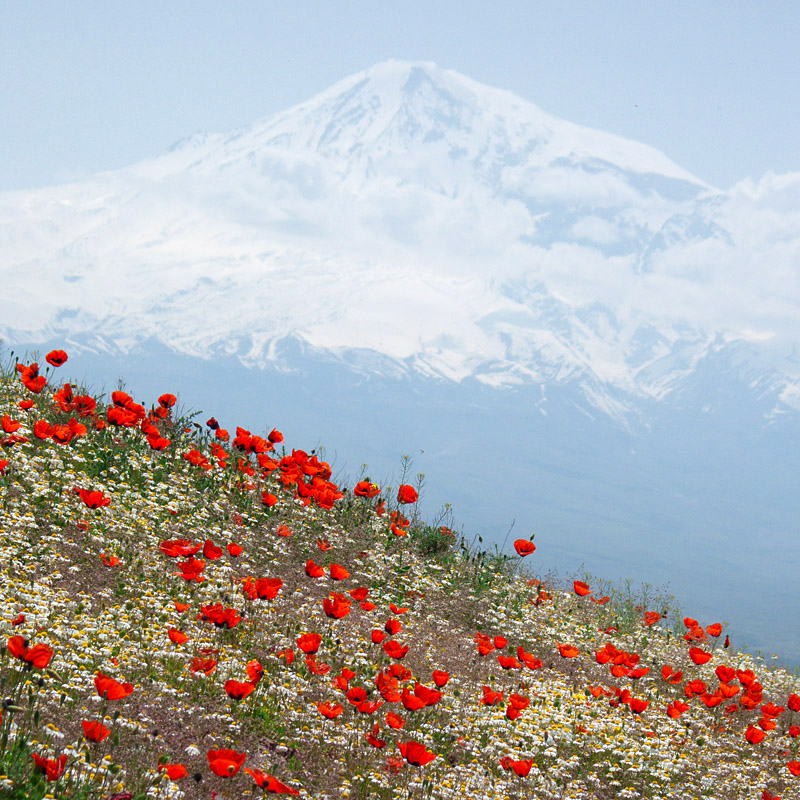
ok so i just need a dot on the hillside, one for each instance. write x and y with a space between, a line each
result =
193 613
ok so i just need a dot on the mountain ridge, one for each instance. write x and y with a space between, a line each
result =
453 228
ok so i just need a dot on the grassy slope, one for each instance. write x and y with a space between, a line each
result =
115 619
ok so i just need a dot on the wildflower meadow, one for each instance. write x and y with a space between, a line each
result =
192 610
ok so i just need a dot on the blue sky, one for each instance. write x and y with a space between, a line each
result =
90 86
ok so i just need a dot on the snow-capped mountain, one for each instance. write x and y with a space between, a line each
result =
413 218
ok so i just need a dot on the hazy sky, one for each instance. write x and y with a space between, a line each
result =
90 86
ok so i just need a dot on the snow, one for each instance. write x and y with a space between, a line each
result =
451 227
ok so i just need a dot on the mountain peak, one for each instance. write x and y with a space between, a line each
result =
371 119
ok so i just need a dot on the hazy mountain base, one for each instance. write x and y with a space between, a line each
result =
704 503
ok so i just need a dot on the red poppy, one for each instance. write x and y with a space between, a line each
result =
359 594
521 767
268 499
109 689
508 662
400 672
440 677
158 442
699 656
309 642
373 739
397 609
528 659
394 649
524 547
428 696
677 708
407 494
204 665
191 570
167 400
95 731
568 650
53 768
3 465
174 771
93 499
393 626
181 607
581 588
314 570
39 655
109 561
177 636
316 667
356 695
224 762
518 702
56 357
794 767
254 671
262 588
324 545
727 690
178 548
491 698
36 384
638 705
221 617
754 735
330 710
211 551
771 710
746 676
415 753
366 489
410 701
234 549
9 425
268 783
671 677
340 682
725 673
287 653
398 531
369 706
338 572
18 620
377 636
337 605
238 690
12 439
694 687
714 630
394 720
